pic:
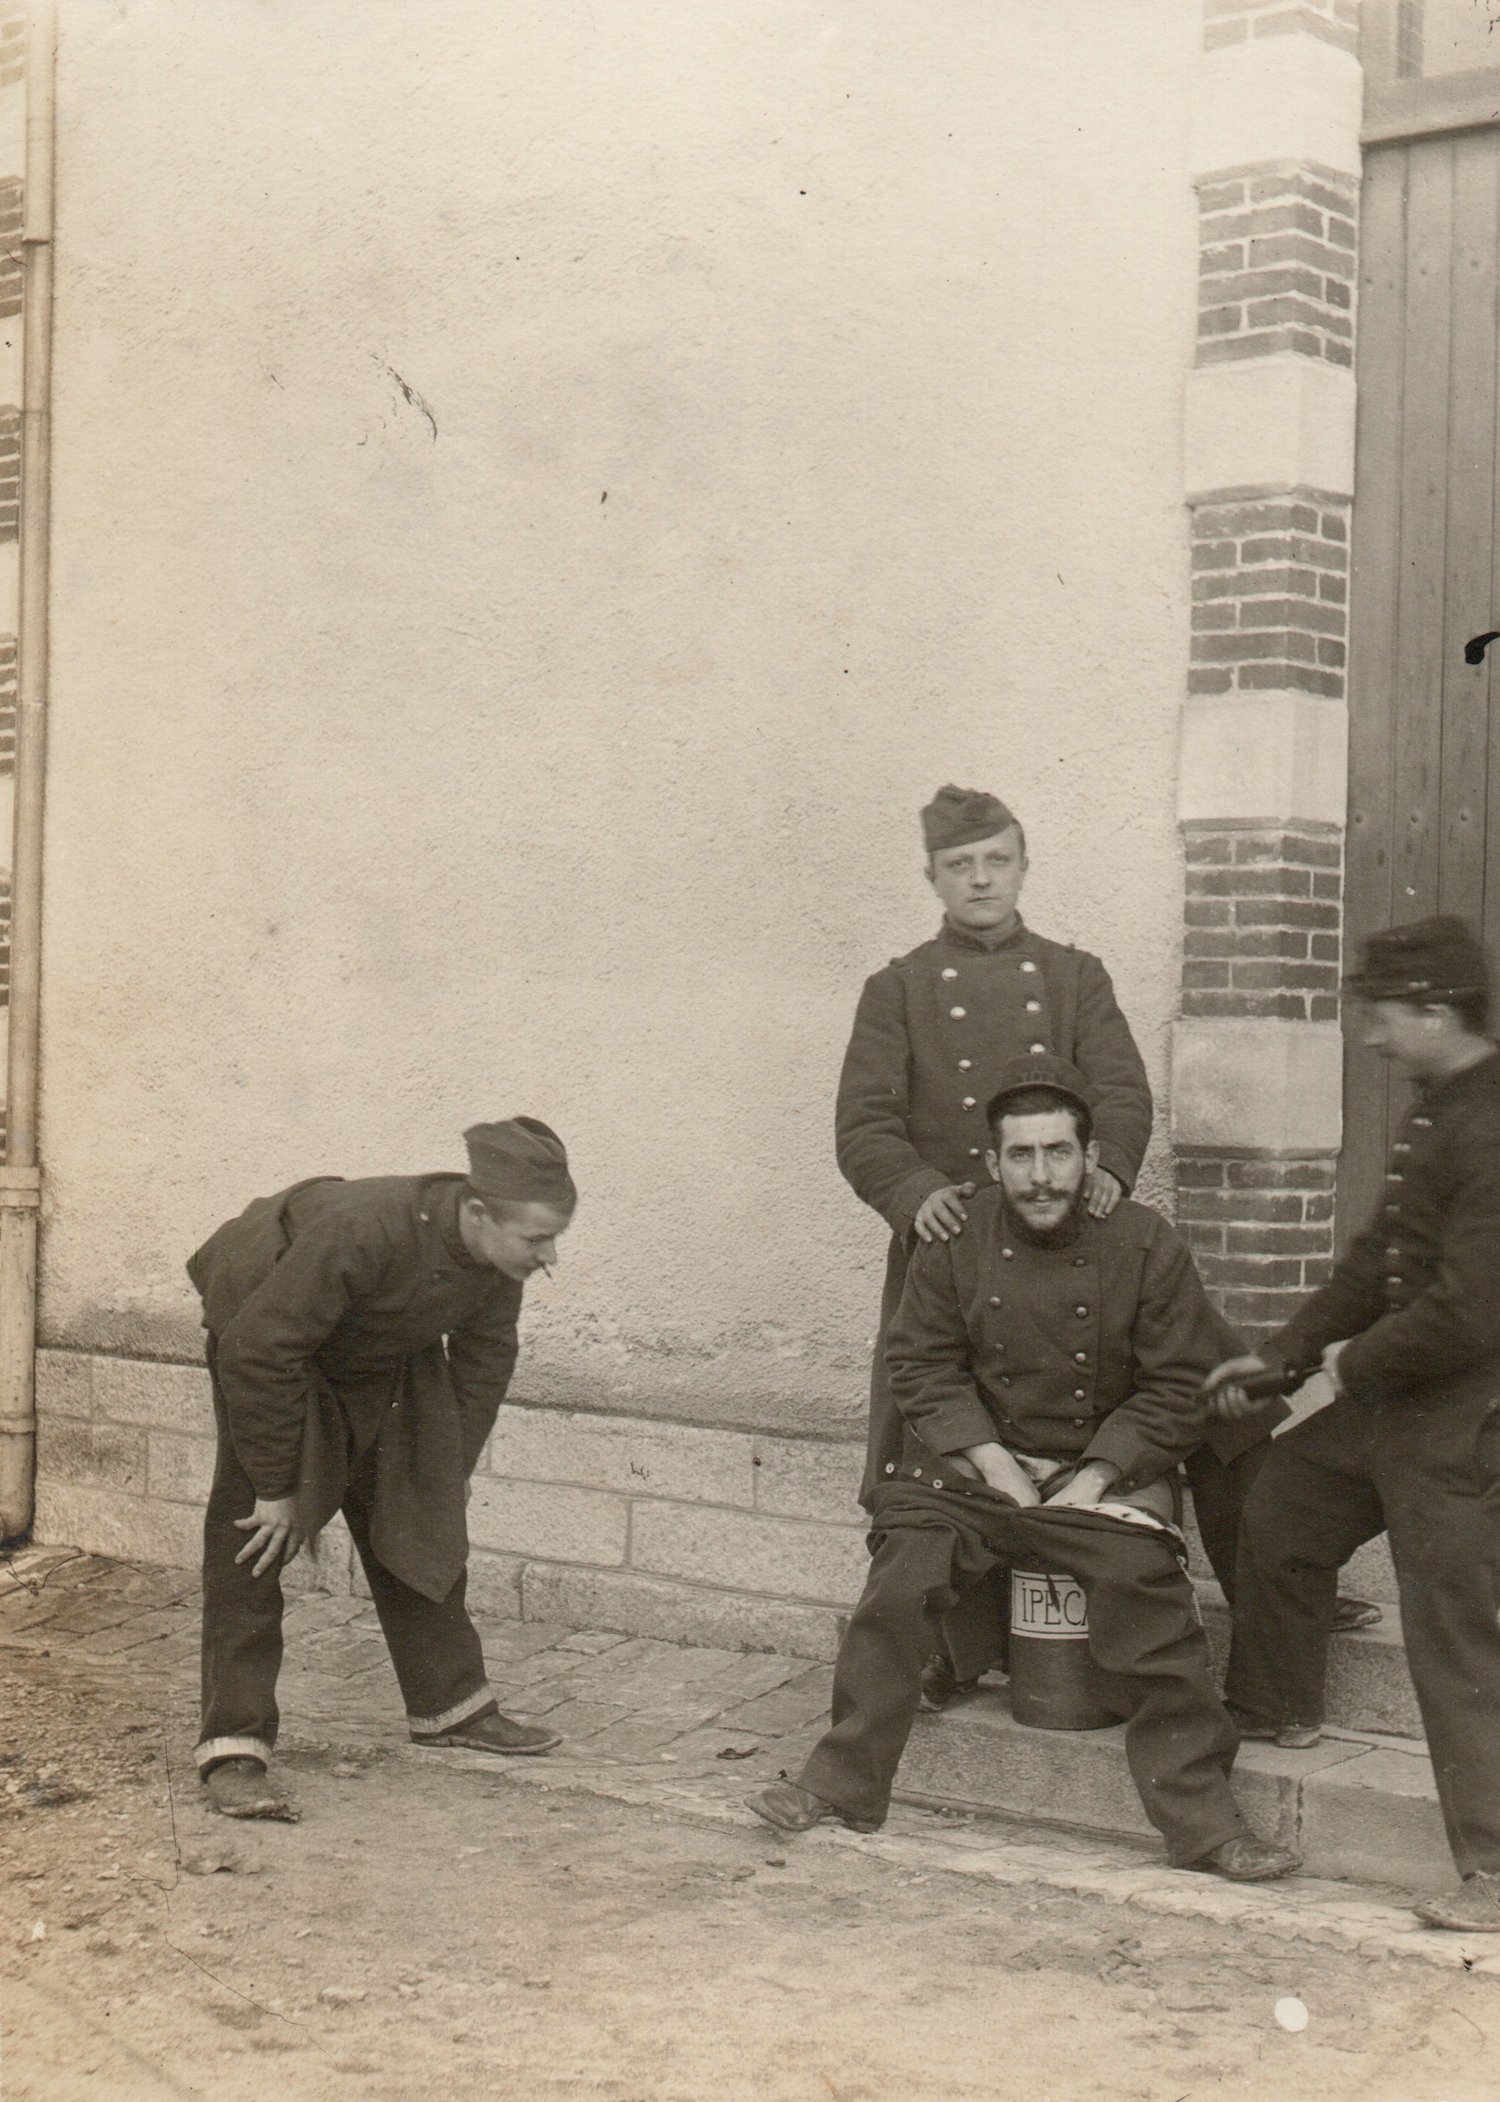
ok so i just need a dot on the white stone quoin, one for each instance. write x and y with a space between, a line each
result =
1259 1081
1263 759
1270 423
1282 98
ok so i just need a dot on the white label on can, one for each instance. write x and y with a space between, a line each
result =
1051 1607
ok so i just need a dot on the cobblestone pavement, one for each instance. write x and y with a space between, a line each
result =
684 1730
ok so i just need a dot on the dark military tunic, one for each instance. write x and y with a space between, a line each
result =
347 1317
1410 1448
932 1033
1096 1351
1419 1289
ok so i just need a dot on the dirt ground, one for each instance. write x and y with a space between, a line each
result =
436 1931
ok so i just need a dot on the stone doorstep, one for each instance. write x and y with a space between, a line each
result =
1369 1687
1357 1809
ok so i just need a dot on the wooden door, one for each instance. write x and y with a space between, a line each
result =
1424 788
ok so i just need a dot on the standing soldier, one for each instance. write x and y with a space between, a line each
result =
361 1336
932 1034
1408 1329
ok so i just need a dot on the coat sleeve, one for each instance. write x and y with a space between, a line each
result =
1175 1342
264 1355
1351 1300
481 1358
1104 1051
1454 1324
928 1359
875 1154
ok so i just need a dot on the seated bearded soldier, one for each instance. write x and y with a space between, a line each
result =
1049 1366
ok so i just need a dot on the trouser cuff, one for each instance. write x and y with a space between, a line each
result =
213 1749
466 1710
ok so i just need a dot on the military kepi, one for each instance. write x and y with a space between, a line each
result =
1434 959
1040 1069
956 817
520 1161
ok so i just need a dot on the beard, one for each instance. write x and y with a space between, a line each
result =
1066 1231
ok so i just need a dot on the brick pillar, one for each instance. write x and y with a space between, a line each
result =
1257 1054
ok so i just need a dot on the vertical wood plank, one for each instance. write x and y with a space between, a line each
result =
1491 900
1421 577
1375 566
1416 757
1469 538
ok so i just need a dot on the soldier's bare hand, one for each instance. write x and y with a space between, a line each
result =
272 1527
1088 1486
1225 1392
1104 1193
1003 1473
942 1214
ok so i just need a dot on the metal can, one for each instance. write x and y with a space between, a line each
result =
1054 1682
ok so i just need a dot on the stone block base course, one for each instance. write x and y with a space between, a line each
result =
639 1526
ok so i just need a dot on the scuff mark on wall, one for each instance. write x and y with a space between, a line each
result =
410 394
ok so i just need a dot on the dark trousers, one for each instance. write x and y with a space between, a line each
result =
1143 1625
434 1645
1428 1474
883 1439
1220 1490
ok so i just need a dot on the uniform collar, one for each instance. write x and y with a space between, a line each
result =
1485 1072
989 945
441 1197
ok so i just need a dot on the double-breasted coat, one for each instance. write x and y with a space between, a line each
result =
1092 1351
1418 1289
932 1032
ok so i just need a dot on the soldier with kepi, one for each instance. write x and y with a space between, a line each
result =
1408 1330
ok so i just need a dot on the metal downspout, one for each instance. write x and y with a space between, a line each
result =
20 1175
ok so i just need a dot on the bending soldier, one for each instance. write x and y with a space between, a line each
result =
1409 1330
361 1336
1048 1365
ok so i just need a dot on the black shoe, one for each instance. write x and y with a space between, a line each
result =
792 1809
241 1787
1472 1909
940 1685
1246 1859
496 1733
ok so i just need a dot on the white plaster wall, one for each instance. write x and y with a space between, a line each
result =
400 780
